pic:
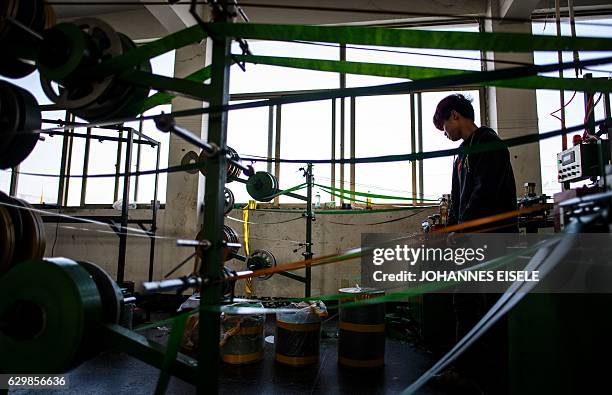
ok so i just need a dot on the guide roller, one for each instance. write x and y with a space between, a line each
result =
261 259
50 314
262 186
233 171
230 200
19 114
68 51
19 46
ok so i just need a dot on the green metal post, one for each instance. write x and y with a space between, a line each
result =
212 262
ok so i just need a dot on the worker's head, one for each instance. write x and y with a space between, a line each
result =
454 115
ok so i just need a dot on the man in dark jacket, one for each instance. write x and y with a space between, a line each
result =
483 185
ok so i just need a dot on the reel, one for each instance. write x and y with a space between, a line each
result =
52 324
20 46
19 115
233 172
261 259
190 158
229 236
262 186
230 200
22 235
68 51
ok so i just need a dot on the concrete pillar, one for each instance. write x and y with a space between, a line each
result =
182 191
513 112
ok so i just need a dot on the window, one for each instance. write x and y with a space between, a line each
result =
46 158
549 101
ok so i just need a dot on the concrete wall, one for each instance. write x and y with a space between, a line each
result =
99 245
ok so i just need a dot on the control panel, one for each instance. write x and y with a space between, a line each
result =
581 161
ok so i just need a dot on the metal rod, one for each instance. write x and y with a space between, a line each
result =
124 211
419 115
572 20
116 128
293 276
68 168
270 136
413 149
98 137
277 148
342 120
333 148
138 154
309 218
560 58
14 181
352 146
118 166
85 166
32 33
216 169
62 180
153 230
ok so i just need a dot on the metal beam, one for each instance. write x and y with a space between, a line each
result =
518 9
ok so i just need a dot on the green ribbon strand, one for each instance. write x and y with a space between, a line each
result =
372 195
418 72
161 98
412 38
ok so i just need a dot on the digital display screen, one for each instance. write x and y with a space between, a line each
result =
568 158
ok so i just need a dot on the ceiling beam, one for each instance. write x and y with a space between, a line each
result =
520 9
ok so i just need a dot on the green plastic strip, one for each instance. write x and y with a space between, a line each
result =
499 42
372 195
418 72
347 197
136 56
184 87
161 98
292 189
176 336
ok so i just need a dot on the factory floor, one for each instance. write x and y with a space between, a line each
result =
118 373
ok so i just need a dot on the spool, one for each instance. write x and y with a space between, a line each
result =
229 236
361 340
233 171
51 314
262 186
7 240
242 338
33 241
298 336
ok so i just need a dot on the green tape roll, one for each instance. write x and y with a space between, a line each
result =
49 311
499 42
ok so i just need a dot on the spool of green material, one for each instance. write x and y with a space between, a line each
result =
49 314
262 186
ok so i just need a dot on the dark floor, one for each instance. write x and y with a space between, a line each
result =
118 373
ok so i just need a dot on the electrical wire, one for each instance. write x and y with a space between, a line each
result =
562 107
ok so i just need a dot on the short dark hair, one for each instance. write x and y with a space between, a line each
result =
456 102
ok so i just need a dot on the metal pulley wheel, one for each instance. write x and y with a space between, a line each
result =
110 293
7 240
233 172
261 259
50 315
19 116
229 201
63 73
17 43
229 236
262 186
33 242
190 158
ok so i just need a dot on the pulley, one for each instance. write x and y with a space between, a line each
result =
233 171
50 317
19 115
18 45
190 158
229 201
23 237
68 51
229 236
261 259
262 186
110 293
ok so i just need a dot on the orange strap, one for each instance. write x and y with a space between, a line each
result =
297 361
242 358
362 328
310 327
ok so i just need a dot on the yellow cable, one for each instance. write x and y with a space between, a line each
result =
249 286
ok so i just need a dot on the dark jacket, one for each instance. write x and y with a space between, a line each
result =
483 183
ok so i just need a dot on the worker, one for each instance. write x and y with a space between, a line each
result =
482 185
